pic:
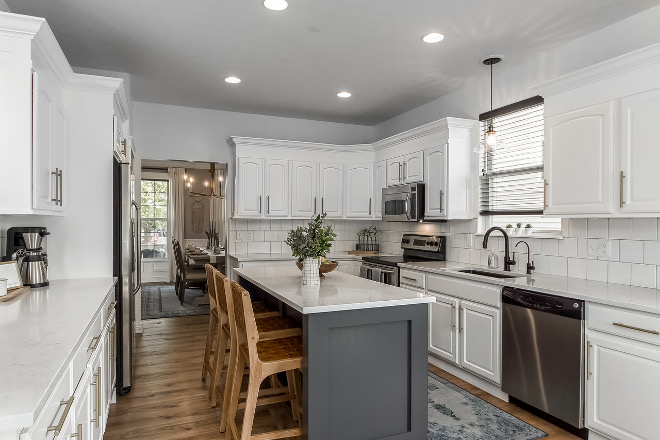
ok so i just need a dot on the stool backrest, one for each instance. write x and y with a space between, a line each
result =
210 283
222 289
242 315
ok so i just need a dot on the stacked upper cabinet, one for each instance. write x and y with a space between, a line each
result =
601 145
304 178
359 193
331 189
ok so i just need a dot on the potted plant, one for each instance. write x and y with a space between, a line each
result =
528 229
519 228
310 245
509 229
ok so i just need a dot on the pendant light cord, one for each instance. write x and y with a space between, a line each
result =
491 94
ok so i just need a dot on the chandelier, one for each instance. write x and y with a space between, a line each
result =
209 188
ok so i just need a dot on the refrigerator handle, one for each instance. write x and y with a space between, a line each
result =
137 255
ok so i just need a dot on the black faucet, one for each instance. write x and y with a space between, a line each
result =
508 262
530 264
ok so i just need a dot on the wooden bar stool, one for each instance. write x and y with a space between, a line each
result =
269 325
264 358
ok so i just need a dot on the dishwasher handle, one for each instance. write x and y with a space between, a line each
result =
542 302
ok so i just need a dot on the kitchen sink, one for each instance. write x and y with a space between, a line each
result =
485 273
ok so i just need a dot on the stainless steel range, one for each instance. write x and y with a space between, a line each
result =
385 269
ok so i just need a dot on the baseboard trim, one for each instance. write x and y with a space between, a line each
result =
470 378
138 327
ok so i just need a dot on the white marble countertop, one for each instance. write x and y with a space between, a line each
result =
38 334
630 297
287 257
337 292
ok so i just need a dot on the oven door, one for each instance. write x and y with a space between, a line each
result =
396 205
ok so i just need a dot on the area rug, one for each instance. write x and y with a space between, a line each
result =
455 414
160 301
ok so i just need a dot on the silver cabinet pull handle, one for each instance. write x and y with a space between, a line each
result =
268 205
57 428
442 209
369 205
460 319
409 278
94 343
78 434
322 205
259 204
98 383
405 171
315 205
61 187
639 329
56 173
589 360
453 316
621 177
400 166
545 193
112 305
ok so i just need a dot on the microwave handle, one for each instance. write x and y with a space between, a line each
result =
408 207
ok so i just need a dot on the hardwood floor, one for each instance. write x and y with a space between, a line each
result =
169 400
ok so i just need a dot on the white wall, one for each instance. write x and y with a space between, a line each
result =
513 83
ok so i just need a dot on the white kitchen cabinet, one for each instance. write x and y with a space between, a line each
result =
435 161
443 317
449 180
304 199
83 420
331 189
276 189
578 161
249 200
480 340
639 179
359 191
413 167
395 171
380 182
623 379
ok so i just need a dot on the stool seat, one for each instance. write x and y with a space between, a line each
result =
273 350
272 326
261 307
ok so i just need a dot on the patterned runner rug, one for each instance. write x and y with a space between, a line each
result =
160 301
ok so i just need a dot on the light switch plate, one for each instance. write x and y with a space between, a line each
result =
598 248
244 235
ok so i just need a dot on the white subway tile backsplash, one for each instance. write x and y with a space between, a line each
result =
463 255
253 224
241 224
241 248
550 247
644 275
597 270
577 227
264 225
542 264
597 228
276 225
475 256
612 251
558 266
275 247
631 251
619 273
652 252
568 247
577 268
583 249
259 235
645 229
620 228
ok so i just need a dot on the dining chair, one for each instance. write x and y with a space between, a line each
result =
187 274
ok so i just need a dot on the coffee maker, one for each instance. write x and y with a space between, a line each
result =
24 246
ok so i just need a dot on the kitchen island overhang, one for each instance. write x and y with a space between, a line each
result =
365 352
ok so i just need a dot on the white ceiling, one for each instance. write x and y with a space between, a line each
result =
293 62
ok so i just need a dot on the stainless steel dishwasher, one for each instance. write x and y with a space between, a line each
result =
543 352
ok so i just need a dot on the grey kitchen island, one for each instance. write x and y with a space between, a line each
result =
365 352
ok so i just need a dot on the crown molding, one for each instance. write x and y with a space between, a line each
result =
423 131
637 59
240 141
22 26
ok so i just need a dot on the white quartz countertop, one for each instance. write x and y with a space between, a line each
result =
630 297
337 292
289 257
38 334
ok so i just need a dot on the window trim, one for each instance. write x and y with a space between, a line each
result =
160 177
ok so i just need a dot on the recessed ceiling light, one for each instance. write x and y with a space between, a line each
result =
433 37
232 79
344 94
276 5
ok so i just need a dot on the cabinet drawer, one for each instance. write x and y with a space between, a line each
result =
471 290
58 410
626 323
108 305
90 343
412 278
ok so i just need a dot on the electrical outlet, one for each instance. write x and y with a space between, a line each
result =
244 235
598 248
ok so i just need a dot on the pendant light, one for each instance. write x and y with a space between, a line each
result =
490 140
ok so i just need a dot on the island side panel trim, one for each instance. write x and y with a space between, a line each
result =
365 374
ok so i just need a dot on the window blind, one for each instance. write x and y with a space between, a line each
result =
511 180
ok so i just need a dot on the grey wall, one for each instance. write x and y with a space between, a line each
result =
4 7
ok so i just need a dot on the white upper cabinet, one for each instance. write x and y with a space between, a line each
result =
578 155
413 167
435 161
249 200
395 171
304 199
639 179
380 182
43 160
276 189
331 189
359 191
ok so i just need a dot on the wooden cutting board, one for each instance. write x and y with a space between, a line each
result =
14 293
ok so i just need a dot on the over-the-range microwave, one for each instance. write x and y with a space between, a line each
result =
403 203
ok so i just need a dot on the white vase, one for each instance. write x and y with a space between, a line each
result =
509 231
310 272
528 231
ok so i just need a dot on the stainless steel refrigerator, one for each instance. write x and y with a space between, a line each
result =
126 267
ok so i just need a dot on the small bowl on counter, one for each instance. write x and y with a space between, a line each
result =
325 267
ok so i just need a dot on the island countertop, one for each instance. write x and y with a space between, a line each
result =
337 292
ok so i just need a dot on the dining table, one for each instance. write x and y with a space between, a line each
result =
201 256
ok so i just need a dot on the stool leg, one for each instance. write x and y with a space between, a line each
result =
234 391
218 366
293 391
209 343
250 404
229 385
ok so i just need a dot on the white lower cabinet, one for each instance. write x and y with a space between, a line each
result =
479 340
443 339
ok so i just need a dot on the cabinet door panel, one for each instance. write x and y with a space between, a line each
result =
414 167
304 202
443 316
479 329
43 169
277 188
359 195
622 389
83 421
331 189
578 161
59 155
395 171
250 183
380 182
640 152
435 162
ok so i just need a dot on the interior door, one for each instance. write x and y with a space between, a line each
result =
380 182
640 153
332 189
250 201
413 169
277 188
578 161
443 318
359 194
623 380
304 199
435 162
479 328
395 171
